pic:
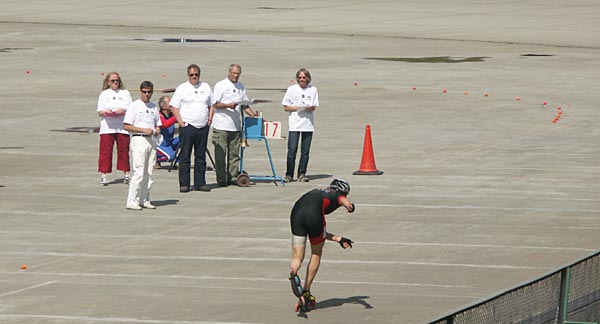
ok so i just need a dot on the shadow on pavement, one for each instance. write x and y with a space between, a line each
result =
319 176
159 203
335 302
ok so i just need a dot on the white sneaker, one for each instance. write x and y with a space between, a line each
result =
148 205
134 207
126 179
104 180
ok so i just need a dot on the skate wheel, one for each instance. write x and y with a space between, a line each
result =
243 180
297 308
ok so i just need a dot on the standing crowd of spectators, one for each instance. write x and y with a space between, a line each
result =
145 132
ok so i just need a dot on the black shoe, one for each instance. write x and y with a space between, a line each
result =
222 184
204 188
233 183
184 189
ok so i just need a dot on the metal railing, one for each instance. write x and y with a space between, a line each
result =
569 295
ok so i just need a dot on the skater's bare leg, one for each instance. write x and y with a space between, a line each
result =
313 264
298 247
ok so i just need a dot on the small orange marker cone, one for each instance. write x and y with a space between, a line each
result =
486 95
367 164
356 84
545 103
164 75
23 267
518 98
444 90
466 93
414 88
102 73
28 72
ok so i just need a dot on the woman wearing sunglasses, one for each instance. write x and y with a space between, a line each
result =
112 104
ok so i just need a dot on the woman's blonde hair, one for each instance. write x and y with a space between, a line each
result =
105 83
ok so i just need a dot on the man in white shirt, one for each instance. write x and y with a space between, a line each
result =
300 101
227 125
191 105
143 123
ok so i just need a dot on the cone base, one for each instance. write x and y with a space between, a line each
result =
376 172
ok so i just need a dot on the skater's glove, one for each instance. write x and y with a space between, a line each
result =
345 243
352 208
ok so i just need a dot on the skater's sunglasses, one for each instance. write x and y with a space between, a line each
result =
114 80
147 92
194 74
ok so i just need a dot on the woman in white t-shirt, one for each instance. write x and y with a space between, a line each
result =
300 101
112 104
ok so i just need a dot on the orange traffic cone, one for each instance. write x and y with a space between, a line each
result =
367 165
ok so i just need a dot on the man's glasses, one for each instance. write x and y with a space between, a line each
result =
193 74
302 78
146 92
115 80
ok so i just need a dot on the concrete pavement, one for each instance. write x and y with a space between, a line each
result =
479 192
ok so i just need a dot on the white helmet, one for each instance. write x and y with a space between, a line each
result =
340 185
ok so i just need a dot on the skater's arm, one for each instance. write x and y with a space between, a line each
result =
347 204
332 237
344 242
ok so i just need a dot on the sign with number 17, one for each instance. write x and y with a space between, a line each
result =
272 129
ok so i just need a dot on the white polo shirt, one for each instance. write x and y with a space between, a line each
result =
143 115
227 92
193 102
112 100
301 120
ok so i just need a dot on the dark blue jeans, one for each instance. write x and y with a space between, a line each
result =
293 138
196 139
